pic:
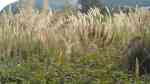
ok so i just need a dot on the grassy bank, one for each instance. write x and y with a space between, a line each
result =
67 48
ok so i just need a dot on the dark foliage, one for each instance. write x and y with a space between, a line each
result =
138 50
87 4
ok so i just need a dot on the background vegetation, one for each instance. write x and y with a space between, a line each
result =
68 47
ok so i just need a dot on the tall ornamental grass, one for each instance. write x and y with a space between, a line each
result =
68 48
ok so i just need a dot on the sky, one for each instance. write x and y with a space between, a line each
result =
4 3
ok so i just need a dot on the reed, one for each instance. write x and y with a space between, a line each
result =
72 48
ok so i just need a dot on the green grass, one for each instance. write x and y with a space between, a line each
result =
67 48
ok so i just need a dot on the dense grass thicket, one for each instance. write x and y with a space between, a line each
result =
68 48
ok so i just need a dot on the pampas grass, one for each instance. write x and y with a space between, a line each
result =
74 48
